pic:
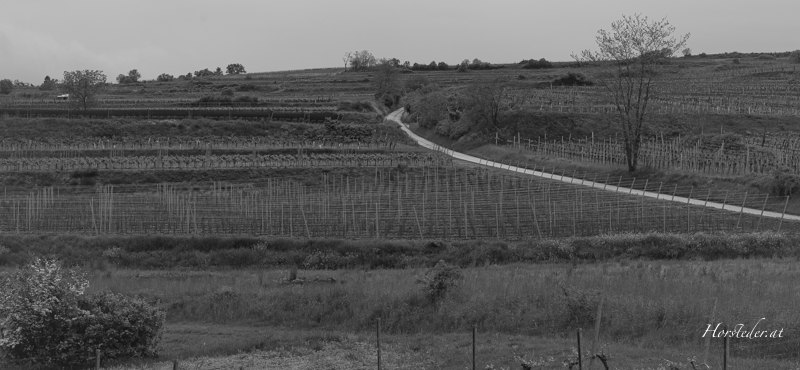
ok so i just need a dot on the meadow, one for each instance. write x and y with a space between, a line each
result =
653 312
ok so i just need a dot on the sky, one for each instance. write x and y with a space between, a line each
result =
47 37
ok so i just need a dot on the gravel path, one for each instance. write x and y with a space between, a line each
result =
395 117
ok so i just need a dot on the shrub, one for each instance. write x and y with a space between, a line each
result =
794 57
320 260
784 183
537 64
6 86
766 56
581 305
703 55
48 319
736 61
165 77
440 280
227 92
573 79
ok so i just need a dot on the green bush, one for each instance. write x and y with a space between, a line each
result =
48 319
537 64
794 57
783 183
440 280
766 56
573 79
6 86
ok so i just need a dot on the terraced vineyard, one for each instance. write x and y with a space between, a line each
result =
435 202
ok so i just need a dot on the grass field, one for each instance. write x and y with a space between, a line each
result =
653 312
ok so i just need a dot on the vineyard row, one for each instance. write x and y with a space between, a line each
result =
208 161
448 205
671 155
294 114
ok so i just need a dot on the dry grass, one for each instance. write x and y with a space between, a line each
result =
653 304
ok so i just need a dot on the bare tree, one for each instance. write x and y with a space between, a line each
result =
346 59
387 87
483 102
83 86
630 59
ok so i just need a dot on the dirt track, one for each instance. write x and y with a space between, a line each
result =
395 117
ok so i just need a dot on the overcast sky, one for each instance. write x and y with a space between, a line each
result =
47 37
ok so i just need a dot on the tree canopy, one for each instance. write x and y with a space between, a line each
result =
83 86
235 69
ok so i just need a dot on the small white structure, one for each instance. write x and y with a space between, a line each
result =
63 97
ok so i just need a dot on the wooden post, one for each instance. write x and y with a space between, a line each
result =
741 211
597 320
378 327
708 339
97 361
474 334
580 355
761 217
784 213
689 210
175 365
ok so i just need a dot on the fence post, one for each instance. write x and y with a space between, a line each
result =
763 207
175 365
784 213
596 331
474 334
708 339
379 343
97 362
580 354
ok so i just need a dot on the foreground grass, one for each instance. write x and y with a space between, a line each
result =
650 304
452 351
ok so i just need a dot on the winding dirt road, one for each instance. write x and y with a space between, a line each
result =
396 115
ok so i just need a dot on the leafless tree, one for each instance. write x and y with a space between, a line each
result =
630 59
346 59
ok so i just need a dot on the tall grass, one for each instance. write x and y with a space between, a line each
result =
650 303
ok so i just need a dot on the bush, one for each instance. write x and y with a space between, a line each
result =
794 57
783 183
48 319
537 64
165 77
766 56
6 86
736 61
440 280
227 92
573 79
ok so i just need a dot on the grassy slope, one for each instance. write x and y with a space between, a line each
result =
484 149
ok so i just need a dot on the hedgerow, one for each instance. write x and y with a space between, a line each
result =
163 252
